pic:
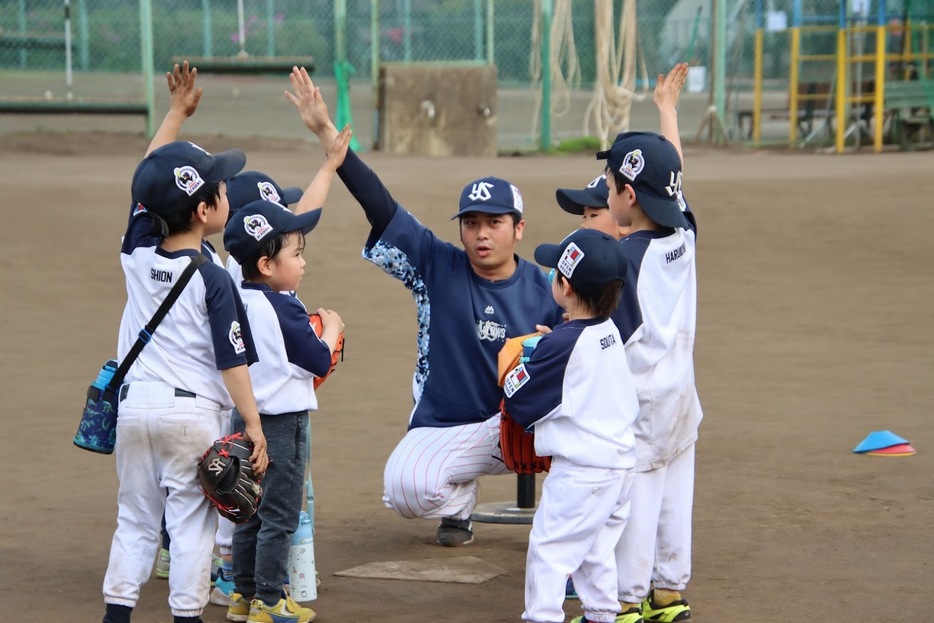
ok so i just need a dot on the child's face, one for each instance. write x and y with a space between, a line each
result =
288 266
602 220
620 204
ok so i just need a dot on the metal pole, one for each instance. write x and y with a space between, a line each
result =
720 76
525 490
340 26
68 76
374 67
84 55
271 42
545 139
241 29
407 30
206 28
842 80
879 94
477 30
489 32
22 28
145 44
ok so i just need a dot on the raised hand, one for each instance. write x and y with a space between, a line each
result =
668 88
307 99
338 149
184 94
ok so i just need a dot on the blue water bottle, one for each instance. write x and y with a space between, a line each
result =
302 573
97 430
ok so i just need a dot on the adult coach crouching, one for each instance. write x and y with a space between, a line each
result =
469 301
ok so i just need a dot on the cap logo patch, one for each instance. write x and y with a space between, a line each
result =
140 208
674 188
597 181
569 260
188 179
256 225
516 198
236 338
268 192
633 164
481 191
515 380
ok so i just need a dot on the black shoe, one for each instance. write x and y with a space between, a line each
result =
455 532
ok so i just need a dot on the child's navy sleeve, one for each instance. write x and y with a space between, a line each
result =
303 347
534 389
230 329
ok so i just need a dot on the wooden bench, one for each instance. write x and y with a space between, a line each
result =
910 106
813 101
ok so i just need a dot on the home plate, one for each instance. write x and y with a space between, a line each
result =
462 570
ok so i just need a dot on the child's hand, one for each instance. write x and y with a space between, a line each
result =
330 320
339 149
184 95
307 98
668 88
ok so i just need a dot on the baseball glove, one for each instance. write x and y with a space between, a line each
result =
516 444
336 355
227 478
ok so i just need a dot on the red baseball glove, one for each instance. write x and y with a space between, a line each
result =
336 356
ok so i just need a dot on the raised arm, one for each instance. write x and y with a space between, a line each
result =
184 98
317 192
667 90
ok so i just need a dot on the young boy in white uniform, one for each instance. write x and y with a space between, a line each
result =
577 393
174 398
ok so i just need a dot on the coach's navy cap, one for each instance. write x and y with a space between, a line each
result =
490 195
174 172
258 222
249 186
652 165
594 195
588 258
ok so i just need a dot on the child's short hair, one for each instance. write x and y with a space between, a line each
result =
179 220
269 248
260 229
604 301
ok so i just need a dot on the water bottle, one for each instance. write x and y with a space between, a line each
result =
302 573
104 376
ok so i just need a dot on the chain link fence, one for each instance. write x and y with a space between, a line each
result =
105 61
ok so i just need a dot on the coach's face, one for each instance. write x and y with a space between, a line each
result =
490 243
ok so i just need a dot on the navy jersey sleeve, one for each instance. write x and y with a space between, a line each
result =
230 329
140 231
689 215
369 192
534 389
412 253
303 347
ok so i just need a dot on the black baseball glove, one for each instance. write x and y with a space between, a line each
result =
227 478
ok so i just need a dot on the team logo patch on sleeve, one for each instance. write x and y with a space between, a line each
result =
236 338
256 225
187 179
515 380
569 260
633 164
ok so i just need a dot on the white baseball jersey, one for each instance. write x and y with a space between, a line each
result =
206 330
657 318
290 353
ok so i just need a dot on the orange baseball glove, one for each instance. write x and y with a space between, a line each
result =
516 444
336 356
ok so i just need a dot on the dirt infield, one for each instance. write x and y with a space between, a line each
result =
816 290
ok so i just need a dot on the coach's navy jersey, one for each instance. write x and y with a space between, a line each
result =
657 318
290 353
577 392
206 330
463 319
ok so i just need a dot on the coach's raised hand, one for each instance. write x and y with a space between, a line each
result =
314 112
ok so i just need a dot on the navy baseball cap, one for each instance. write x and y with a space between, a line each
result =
249 186
490 195
589 259
258 222
174 172
594 195
652 165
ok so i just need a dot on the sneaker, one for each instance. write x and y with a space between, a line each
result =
455 532
286 611
569 591
216 563
678 610
633 615
162 564
223 589
239 608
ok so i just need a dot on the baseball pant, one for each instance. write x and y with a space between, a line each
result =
433 472
579 520
160 438
655 549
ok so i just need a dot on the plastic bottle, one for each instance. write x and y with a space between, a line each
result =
302 572
104 376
